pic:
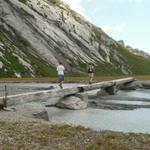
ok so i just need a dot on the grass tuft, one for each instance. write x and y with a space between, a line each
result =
23 1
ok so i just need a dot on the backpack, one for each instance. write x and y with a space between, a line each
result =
91 69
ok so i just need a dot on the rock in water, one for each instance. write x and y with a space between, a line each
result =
72 102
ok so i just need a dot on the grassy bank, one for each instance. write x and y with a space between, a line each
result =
70 79
55 79
36 136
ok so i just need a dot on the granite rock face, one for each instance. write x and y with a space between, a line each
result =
51 31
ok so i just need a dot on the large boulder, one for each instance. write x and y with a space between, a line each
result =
82 96
72 102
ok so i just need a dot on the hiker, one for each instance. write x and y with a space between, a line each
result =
90 71
60 72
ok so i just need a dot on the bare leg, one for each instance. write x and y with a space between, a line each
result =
90 81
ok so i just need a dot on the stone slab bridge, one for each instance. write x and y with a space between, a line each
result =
52 97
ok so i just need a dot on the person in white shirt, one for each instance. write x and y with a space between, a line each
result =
60 72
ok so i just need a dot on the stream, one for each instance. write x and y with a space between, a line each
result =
136 120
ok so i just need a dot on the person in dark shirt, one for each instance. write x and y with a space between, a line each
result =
90 71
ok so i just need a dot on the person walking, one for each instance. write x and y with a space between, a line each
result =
60 72
90 71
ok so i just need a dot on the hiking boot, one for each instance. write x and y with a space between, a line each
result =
60 86
90 82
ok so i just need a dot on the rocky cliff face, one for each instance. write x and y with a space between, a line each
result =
138 52
36 34
134 51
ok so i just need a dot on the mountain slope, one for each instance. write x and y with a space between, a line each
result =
36 34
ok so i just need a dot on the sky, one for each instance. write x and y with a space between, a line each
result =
127 20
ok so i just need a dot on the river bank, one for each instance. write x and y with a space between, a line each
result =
37 135
69 79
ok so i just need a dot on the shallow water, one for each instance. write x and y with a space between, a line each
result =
141 93
137 120
128 102
117 120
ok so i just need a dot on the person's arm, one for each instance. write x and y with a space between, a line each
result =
64 68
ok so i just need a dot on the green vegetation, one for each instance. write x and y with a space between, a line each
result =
42 69
70 79
100 70
62 18
38 135
12 61
12 65
23 1
55 2
107 70
138 64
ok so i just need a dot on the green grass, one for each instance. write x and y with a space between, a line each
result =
10 62
138 64
23 1
69 79
100 70
12 65
42 69
107 70
55 2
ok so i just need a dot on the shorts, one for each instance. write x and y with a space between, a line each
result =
91 75
61 77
